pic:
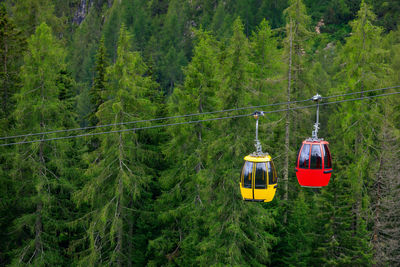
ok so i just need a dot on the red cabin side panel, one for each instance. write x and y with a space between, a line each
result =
312 177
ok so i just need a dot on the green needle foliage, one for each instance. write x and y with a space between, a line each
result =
170 196
235 236
184 185
363 68
29 14
39 168
100 82
119 176
12 45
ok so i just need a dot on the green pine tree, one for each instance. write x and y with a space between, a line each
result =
295 49
119 176
39 168
237 232
29 14
11 45
83 47
99 84
300 228
181 211
175 44
348 236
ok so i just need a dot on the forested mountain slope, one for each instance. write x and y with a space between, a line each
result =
110 194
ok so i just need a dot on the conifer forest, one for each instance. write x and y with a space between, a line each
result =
124 125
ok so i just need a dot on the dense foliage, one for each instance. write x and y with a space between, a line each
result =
170 195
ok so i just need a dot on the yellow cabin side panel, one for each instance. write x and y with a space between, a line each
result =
260 194
270 193
265 194
247 193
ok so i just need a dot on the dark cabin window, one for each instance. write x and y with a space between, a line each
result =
247 173
327 157
304 157
271 173
316 157
261 176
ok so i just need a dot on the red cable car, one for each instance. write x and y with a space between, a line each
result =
314 162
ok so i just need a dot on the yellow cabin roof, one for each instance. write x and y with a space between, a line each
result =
264 158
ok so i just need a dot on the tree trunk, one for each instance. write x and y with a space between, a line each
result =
39 205
6 78
385 239
287 124
131 232
38 230
119 216
120 226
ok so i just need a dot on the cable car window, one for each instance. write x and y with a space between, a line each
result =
304 157
247 173
316 157
261 175
327 157
271 173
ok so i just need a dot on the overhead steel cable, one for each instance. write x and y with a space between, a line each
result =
151 120
196 121
125 130
186 115
362 92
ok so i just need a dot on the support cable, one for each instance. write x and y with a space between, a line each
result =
188 115
196 121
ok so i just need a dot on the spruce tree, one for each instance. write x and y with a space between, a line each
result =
356 126
29 14
119 176
83 47
237 232
385 192
268 65
385 189
175 44
99 83
296 45
297 34
300 227
296 54
186 153
11 45
39 170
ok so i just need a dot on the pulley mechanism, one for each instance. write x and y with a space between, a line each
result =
316 98
257 144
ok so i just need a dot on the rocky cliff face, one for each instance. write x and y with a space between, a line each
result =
82 11
84 7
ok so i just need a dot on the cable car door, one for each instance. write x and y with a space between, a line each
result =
246 187
260 180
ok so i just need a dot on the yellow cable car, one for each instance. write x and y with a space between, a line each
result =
258 181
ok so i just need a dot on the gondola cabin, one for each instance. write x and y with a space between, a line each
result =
258 181
314 163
